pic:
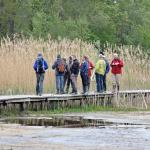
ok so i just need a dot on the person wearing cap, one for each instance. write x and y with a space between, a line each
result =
59 67
100 69
40 66
84 74
116 70
91 67
106 71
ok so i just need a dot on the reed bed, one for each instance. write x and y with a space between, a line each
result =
17 58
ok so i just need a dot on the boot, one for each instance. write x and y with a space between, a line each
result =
67 89
86 89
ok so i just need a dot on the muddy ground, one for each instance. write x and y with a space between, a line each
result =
127 131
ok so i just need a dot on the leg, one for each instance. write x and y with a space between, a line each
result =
97 82
62 84
101 83
114 83
58 84
83 84
118 81
65 79
104 82
89 82
74 83
37 83
68 84
41 84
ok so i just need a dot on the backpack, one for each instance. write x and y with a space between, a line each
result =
40 65
61 67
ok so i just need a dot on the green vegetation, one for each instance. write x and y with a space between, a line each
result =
77 109
116 21
82 109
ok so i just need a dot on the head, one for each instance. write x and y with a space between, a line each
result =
73 57
115 55
70 58
39 55
101 56
64 59
58 56
86 58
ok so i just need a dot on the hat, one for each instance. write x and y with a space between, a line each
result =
58 56
100 55
39 54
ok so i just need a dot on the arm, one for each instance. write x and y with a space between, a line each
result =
35 66
121 63
54 65
45 65
91 65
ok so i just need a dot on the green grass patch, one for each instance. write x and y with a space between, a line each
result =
84 109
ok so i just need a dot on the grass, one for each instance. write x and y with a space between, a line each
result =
17 57
83 109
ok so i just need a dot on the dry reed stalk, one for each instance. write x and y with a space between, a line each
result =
17 58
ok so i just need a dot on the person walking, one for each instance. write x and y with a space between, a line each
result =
74 74
40 66
84 74
116 71
59 68
91 67
100 69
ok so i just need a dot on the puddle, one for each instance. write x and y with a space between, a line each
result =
64 122
73 132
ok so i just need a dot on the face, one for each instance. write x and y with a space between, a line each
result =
115 56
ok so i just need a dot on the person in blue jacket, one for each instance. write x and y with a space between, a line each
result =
84 74
40 66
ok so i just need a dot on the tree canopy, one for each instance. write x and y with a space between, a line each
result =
115 21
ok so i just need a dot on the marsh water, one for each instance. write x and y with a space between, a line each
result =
86 131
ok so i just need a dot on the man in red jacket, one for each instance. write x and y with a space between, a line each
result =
116 66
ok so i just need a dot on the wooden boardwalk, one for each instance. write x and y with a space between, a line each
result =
133 98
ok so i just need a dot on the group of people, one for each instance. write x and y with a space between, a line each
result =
67 72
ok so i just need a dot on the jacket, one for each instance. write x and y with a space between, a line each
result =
74 69
116 66
107 66
55 67
100 67
45 65
91 67
84 68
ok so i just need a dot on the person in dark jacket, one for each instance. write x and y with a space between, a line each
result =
59 68
84 74
74 74
40 66
67 76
